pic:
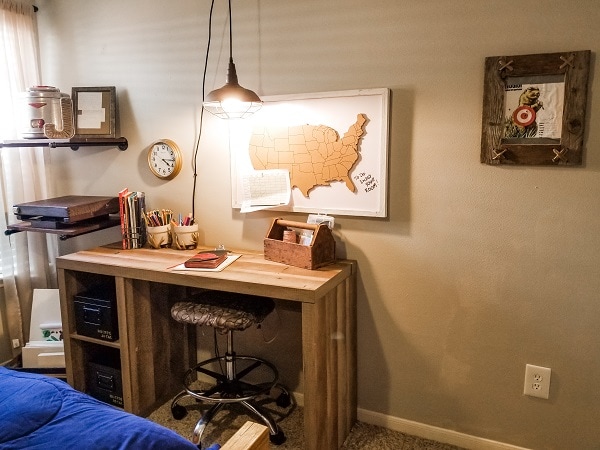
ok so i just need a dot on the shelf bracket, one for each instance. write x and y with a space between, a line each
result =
73 143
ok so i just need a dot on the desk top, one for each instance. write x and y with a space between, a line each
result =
250 274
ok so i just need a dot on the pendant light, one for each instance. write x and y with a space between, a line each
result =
232 101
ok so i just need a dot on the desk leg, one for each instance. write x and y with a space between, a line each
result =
348 366
328 347
155 350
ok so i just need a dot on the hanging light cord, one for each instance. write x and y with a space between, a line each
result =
230 35
195 158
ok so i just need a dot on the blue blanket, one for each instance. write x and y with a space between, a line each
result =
43 413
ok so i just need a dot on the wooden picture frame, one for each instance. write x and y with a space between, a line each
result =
534 108
95 112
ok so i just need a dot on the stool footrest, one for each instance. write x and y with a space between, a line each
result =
245 384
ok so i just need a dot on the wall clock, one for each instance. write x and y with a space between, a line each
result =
164 159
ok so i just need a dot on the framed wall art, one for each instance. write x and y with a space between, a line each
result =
534 108
95 111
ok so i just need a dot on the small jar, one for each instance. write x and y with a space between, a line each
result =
185 237
159 237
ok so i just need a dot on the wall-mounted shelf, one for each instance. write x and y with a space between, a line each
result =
67 216
65 233
74 143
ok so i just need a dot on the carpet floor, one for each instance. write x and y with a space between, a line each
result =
231 417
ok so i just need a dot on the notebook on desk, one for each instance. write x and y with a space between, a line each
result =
207 259
230 259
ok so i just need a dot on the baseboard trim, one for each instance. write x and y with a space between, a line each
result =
431 432
423 430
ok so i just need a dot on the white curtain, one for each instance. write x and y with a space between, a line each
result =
27 257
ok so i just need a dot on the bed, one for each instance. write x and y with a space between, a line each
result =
44 413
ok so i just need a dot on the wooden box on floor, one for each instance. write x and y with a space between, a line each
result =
252 436
320 251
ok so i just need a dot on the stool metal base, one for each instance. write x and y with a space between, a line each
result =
257 377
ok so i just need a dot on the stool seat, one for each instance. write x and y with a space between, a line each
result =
223 310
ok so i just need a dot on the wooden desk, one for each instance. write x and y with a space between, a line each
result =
154 350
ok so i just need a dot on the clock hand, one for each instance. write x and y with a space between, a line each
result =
167 161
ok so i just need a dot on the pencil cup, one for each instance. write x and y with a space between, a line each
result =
159 237
185 237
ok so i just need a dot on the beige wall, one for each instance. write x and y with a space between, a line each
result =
477 271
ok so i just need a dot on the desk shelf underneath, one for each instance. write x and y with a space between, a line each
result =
150 355
80 337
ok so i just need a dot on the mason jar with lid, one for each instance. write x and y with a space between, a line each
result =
40 105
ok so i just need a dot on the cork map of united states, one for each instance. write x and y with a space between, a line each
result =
314 155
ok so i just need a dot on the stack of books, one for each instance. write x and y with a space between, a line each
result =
131 210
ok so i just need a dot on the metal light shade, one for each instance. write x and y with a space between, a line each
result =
232 101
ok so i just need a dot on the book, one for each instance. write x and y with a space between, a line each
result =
68 208
207 259
231 258
122 195
131 210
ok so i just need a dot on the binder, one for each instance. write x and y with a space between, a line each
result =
67 209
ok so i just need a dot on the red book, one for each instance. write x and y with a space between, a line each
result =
122 195
208 259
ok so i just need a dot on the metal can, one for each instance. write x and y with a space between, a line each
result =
40 105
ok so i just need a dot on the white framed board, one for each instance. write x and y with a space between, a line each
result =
333 144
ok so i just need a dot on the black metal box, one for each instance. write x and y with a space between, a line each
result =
104 383
96 313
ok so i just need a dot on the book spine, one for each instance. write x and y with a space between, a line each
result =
122 195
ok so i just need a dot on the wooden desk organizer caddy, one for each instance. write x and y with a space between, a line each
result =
320 252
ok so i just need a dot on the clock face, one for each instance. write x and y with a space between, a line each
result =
164 159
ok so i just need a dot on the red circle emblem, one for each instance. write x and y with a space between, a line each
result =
524 116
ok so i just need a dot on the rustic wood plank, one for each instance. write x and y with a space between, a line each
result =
332 339
350 324
314 351
65 286
250 274
252 436
129 363
342 361
159 349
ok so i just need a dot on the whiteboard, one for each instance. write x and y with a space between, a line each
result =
339 111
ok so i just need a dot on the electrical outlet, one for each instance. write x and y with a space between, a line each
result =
537 381
16 343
